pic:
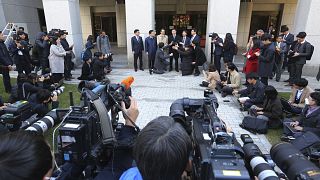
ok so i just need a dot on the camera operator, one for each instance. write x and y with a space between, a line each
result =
25 155
31 85
122 158
218 50
200 58
187 57
309 119
21 30
40 102
5 60
254 93
19 48
68 57
43 48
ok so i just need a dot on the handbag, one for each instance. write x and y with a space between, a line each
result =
255 125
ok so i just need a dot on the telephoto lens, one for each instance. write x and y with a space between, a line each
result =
293 163
58 91
254 157
45 123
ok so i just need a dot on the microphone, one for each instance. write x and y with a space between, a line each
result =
127 82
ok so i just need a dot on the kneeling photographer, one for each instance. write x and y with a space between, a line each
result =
40 102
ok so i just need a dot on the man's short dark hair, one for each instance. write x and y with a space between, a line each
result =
316 97
252 75
151 31
212 68
162 149
284 28
266 37
98 54
22 28
302 82
194 29
24 155
160 45
43 95
136 30
301 35
232 66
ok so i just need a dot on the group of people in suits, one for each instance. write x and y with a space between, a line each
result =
162 47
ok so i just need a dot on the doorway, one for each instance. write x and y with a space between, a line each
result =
264 19
106 22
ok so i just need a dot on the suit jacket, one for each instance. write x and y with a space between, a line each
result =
151 45
160 62
5 58
254 92
200 56
186 41
272 109
218 50
137 46
235 80
289 40
266 60
310 122
176 39
196 39
305 94
303 49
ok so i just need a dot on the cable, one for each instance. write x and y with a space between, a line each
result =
53 136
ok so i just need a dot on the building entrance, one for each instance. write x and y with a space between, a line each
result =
264 19
106 22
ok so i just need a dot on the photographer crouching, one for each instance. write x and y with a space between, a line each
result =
40 102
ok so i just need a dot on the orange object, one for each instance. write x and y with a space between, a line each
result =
127 82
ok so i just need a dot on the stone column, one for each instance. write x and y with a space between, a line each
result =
139 15
85 17
306 19
65 14
244 23
221 20
121 25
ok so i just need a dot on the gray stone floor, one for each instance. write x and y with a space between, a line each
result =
156 93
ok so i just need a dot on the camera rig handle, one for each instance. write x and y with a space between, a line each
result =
108 136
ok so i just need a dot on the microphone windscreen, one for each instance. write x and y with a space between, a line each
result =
127 82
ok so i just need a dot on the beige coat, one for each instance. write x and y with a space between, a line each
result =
235 79
162 38
212 78
305 94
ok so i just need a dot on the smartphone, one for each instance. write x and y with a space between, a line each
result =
226 101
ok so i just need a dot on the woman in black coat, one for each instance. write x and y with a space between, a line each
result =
229 48
187 57
271 109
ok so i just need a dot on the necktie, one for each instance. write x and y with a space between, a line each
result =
137 38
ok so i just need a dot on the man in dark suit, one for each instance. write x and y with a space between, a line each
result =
173 40
281 51
151 49
5 60
298 53
288 38
194 36
185 40
137 48
218 50
266 58
200 58
161 62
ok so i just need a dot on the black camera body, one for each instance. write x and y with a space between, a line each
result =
56 33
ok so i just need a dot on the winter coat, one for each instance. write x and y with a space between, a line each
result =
56 58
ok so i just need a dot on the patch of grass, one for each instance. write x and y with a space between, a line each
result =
274 134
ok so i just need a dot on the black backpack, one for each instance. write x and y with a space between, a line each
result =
255 125
309 56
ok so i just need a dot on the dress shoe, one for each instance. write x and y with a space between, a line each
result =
135 70
196 74
141 69
177 70
277 80
286 80
150 71
202 85
170 69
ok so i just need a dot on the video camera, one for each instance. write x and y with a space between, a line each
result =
56 33
218 155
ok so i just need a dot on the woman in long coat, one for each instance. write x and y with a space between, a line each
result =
56 60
